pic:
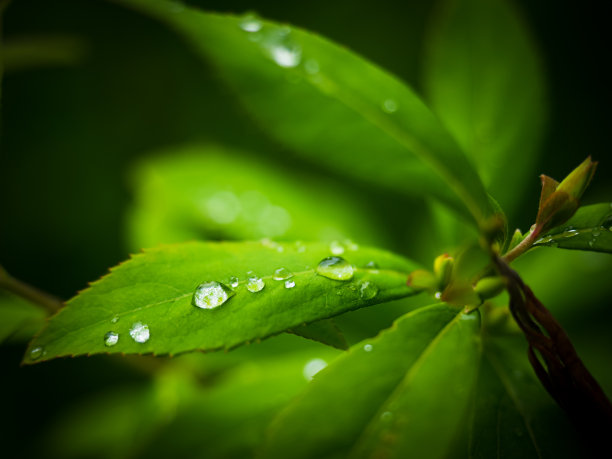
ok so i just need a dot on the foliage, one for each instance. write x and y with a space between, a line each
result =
263 230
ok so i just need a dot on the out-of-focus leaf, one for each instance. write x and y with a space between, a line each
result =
484 79
331 105
44 51
589 229
209 192
147 301
324 331
512 414
19 319
388 394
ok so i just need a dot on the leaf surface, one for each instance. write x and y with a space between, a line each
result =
19 319
484 78
155 289
324 331
388 394
331 106
589 229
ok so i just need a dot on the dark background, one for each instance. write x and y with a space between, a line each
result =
69 133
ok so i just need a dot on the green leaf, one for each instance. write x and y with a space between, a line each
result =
19 319
484 78
388 394
324 331
212 192
512 415
331 106
155 289
589 229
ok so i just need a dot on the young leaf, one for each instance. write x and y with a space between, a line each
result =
331 105
401 394
145 304
589 229
483 77
324 331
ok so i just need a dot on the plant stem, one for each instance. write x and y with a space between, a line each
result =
47 301
524 245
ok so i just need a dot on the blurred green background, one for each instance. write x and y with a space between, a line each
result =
87 134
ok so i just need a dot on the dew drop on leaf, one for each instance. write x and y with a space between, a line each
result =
114 320
367 290
312 367
254 282
140 332
311 66
438 295
386 416
371 265
335 268
351 245
300 247
111 338
234 282
210 295
596 233
250 23
389 106
336 248
368 347
36 353
289 283
282 49
282 274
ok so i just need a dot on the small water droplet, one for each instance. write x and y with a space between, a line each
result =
351 245
311 66
114 320
210 295
386 416
234 282
367 290
368 347
250 22
282 49
312 367
289 283
596 233
335 268
282 274
371 265
336 247
389 106
140 332
111 338
36 353
591 242
438 295
254 282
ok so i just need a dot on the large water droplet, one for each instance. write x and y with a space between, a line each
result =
140 332
254 282
335 268
111 338
282 274
289 283
234 282
312 367
367 290
336 247
282 49
250 22
390 106
210 295
36 353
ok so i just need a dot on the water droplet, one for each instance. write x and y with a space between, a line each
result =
335 268
371 265
254 282
282 49
351 245
596 233
389 106
311 66
210 295
140 332
591 242
234 282
368 347
300 247
250 22
336 248
282 274
111 338
438 295
386 416
289 283
36 353
367 290
114 320
312 367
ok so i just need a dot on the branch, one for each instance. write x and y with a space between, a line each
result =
47 301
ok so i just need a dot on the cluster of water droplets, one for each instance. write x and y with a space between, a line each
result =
554 240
